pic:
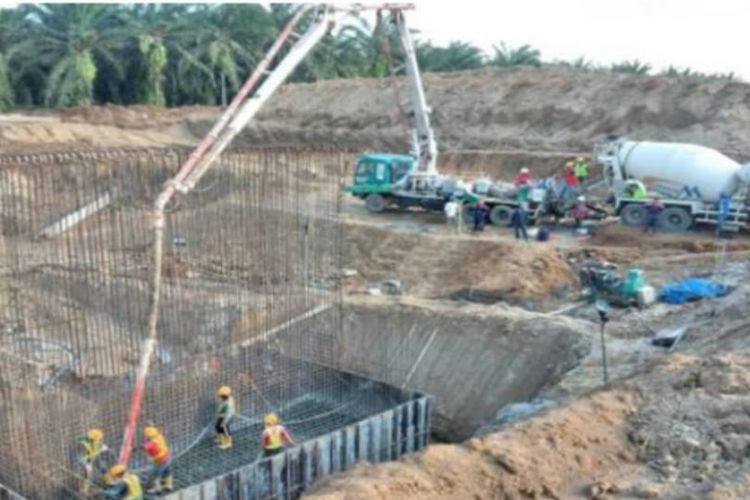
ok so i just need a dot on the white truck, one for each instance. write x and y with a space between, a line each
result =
689 179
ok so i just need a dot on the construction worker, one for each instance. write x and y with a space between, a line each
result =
581 169
224 414
636 190
92 457
451 212
580 211
523 177
570 180
275 436
654 208
123 485
480 214
519 219
723 213
157 449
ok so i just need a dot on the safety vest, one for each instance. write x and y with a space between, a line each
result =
133 485
581 169
225 409
275 437
92 449
157 449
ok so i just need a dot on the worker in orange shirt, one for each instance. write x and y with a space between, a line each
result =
275 436
157 450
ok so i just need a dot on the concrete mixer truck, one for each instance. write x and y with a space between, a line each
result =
689 178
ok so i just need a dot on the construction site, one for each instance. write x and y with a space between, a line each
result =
152 255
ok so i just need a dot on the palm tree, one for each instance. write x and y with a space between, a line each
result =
457 56
506 56
72 43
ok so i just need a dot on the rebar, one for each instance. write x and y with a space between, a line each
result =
250 299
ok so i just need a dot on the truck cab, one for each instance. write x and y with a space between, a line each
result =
378 176
377 173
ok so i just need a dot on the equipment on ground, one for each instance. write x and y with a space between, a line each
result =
690 179
604 282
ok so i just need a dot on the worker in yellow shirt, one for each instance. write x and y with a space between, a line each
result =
92 458
123 485
581 169
275 436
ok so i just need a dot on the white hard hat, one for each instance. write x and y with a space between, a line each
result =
524 170
581 198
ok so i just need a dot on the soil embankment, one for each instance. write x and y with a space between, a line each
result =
473 359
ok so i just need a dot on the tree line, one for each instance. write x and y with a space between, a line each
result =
180 54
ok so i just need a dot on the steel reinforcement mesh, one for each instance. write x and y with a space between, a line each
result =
250 299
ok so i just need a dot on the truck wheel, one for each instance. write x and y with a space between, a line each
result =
500 215
676 219
375 203
633 215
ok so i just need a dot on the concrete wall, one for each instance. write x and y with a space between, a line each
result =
473 362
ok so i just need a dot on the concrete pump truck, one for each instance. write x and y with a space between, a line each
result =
400 180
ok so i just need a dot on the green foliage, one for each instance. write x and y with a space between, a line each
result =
457 56
633 67
177 54
507 56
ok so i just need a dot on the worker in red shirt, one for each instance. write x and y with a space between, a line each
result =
157 450
275 436
523 177
570 179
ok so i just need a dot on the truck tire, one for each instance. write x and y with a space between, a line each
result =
500 215
676 219
375 203
633 214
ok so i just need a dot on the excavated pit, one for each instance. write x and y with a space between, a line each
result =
473 360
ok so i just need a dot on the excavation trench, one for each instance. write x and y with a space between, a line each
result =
473 360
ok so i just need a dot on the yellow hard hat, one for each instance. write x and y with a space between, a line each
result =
151 432
95 434
271 419
225 391
117 470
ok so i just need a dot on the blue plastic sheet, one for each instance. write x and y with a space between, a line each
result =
692 289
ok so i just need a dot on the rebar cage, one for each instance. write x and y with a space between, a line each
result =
250 300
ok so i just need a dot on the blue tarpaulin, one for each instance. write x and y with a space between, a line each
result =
692 289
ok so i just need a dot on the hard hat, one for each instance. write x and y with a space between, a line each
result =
524 170
581 198
271 419
225 391
151 432
568 164
580 158
117 470
95 434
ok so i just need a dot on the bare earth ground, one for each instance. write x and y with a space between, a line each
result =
669 425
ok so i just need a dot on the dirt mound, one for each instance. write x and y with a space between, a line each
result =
679 430
617 235
456 267
40 136
559 455
137 117
547 109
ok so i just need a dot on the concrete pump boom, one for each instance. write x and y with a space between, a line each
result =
237 115
426 146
